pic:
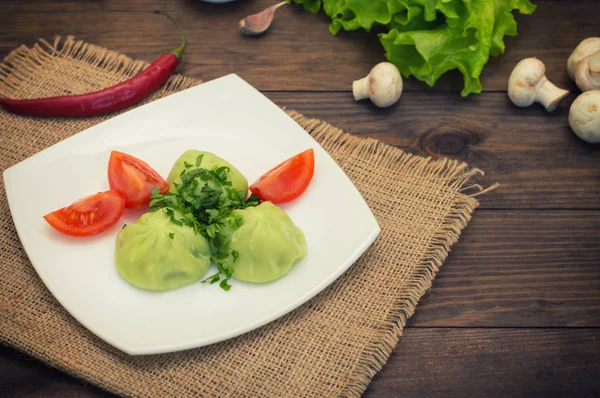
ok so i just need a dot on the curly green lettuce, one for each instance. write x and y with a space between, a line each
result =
427 38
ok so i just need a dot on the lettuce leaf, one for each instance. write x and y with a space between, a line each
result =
427 38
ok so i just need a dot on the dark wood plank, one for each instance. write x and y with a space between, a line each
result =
519 268
492 363
297 54
24 377
534 155
511 268
427 362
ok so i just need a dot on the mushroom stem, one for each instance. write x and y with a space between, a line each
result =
549 95
594 62
583 50
587 74
360 88
528 84
383 85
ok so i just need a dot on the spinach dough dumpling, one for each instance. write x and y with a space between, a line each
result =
268 244
209 161
155 254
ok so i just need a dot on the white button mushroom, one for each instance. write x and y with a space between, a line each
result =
587 73
580 54
528 84
383 85
584 116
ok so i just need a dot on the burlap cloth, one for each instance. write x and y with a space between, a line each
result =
331 346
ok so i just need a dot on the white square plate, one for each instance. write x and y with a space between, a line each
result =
230 118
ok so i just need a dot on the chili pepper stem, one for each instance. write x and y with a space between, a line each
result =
178 52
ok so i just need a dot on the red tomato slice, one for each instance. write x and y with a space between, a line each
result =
134 178
90 215
286 181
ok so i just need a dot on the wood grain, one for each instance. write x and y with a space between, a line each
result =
528 262
535 156
24 377
511 268
519 269
492 363
298 53
428 362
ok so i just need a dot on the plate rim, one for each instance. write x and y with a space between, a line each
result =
374 231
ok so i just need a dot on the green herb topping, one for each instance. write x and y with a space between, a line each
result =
204 201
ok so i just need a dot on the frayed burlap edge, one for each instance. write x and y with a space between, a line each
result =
25 60
459 176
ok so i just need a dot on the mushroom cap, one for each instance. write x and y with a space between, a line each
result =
385 84
587 73
522 82
583 50
584 116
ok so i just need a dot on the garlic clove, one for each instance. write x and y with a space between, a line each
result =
258 23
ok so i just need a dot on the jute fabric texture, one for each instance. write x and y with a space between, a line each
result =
331 346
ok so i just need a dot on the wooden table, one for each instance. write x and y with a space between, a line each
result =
515 310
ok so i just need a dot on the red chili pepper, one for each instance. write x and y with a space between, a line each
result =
109 99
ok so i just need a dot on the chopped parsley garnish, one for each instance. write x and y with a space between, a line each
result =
204 201
171 235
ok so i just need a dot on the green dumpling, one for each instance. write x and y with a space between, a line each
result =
209 161
155 254
267 243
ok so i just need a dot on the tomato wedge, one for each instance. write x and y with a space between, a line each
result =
134 178
286 181
90 215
